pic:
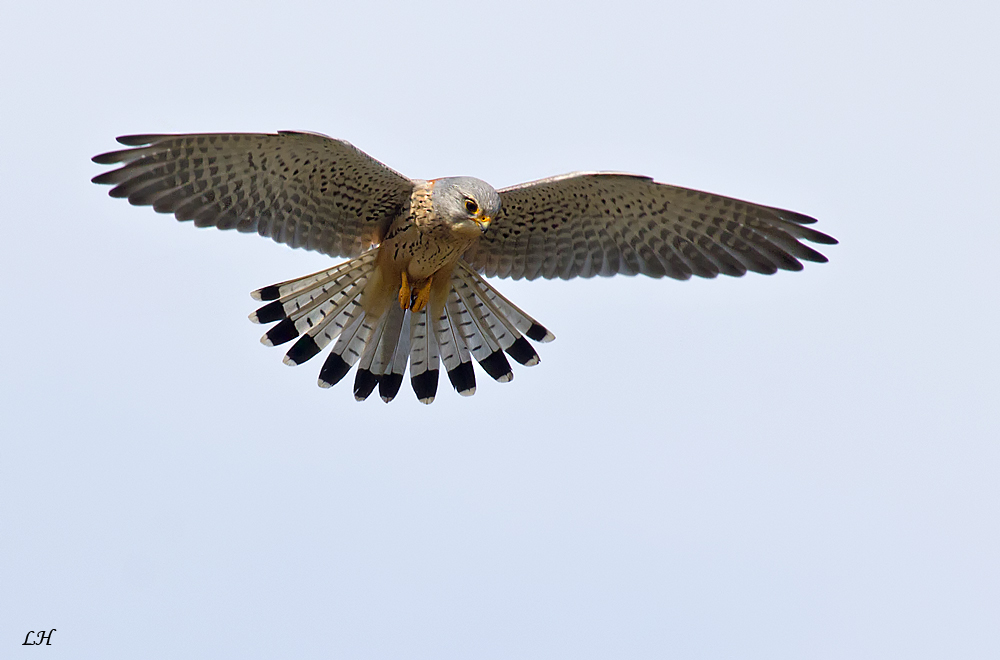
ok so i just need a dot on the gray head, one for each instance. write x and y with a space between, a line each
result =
466 202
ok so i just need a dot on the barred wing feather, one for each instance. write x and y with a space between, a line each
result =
586 224
303 189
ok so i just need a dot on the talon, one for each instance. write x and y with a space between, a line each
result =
423 295
404 293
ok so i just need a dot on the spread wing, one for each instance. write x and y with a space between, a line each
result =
303 189
589 223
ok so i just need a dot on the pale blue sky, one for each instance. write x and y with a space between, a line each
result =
798 466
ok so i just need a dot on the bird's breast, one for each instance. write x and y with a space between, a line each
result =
422 250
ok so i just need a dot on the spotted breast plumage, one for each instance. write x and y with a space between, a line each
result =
412 293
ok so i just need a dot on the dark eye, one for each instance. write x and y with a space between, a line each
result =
471 206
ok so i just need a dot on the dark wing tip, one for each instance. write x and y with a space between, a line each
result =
791 264
139 140
793 216
802 219
124 155
109 158
121 155
811 235
107 178
820 237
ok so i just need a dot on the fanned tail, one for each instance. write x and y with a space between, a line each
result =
475 322
507 310
316 307
502 318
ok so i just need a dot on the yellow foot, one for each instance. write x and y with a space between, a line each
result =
404 293
423 295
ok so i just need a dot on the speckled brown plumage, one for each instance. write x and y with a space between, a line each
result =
302 189
605 224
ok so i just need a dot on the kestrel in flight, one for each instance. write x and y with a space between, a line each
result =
412 290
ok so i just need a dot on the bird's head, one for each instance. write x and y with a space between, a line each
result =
468 204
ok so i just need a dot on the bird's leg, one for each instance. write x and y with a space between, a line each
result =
414 299
404 293
423 295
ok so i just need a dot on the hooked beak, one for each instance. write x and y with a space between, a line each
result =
483 222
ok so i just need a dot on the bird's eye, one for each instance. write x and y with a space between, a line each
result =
471 206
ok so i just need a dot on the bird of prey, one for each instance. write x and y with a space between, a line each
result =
412 290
